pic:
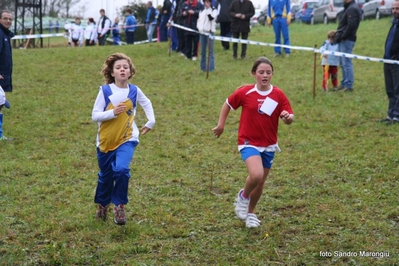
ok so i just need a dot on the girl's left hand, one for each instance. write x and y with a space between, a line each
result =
144 130
286 117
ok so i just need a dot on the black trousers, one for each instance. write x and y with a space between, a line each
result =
101 40
225 32
244 36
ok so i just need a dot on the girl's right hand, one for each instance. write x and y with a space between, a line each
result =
217 131
119 108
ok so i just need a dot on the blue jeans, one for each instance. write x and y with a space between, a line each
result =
391 75
280 27
114 174
163 29
175 40
346 64
204 47
150 31
1 125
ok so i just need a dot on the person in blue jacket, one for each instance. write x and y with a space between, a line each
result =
130 26
279 14
5 58
150 21
116 35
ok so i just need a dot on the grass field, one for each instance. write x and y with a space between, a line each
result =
333 188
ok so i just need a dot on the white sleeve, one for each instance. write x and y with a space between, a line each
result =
146 104
214 14
69 36
98 114
81 34
94 35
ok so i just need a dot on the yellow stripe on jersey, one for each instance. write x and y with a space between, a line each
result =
116 131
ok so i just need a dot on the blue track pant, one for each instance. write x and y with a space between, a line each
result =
113 178
280 27
1 125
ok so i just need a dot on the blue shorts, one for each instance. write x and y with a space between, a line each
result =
267 157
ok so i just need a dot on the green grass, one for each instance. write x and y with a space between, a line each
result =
334 186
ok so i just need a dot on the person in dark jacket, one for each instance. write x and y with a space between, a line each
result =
190 12
164 18
391 71
179 19
5 59
346 38
103 28
241 12
224 19
5 50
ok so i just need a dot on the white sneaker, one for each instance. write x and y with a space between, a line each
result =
252 221
241 208
194 58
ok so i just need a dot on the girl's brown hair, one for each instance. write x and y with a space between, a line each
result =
261 60
108 66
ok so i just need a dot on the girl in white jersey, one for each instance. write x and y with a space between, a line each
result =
262 106
117 137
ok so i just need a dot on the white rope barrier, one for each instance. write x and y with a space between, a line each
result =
309 49
320 51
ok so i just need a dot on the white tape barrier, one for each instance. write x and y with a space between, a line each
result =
37 36
320 51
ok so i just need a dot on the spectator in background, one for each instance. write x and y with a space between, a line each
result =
279 14
76 33
5 60
224 19
150 21
391 71
346 38
330 62
50 26
190 12
241 12
90 32
103 28
57 26
173 31
180 32
164 18
116 35
130 26
206 25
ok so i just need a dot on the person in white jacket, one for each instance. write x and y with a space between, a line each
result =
206 25
91 33
76 33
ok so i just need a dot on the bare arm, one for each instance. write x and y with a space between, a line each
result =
218 130
287 117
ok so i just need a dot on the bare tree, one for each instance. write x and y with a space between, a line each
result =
54 8
7 5
82 9
68 4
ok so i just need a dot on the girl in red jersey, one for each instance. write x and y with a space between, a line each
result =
262 106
